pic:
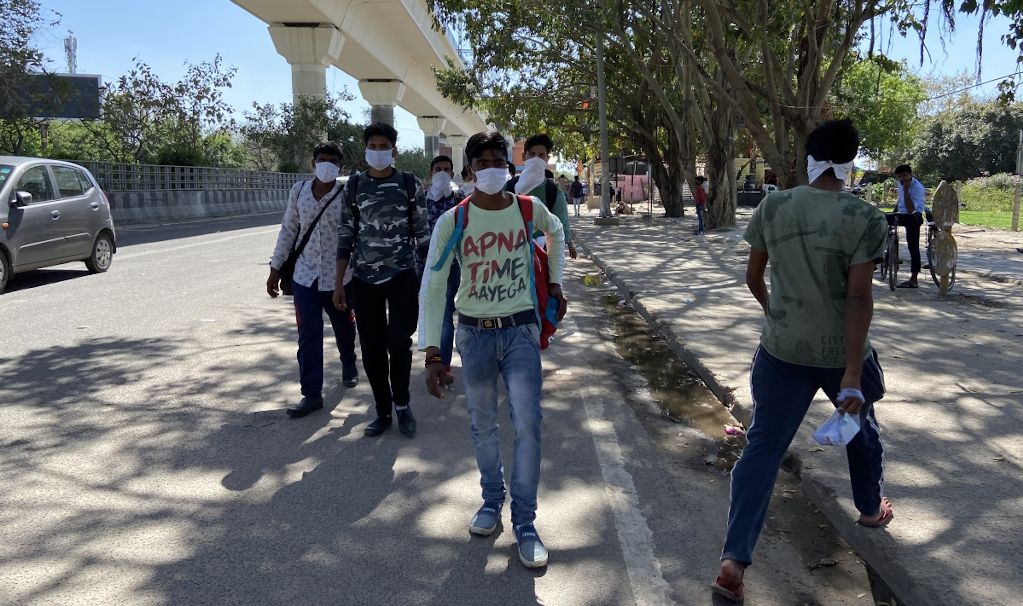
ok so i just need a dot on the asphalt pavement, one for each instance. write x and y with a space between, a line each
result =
145 458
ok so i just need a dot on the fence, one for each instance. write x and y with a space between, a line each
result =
114 176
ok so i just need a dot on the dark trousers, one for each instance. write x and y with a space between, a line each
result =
912 223
782 393
310 303
386 315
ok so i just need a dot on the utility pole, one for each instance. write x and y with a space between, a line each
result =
1019 185
605 217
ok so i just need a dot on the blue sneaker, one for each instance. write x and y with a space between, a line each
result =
532 553
484 523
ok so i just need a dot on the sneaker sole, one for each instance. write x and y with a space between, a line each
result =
528 564
483 532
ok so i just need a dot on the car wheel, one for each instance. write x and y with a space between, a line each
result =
102 254
5 271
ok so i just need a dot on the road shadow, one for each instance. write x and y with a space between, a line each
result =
131 235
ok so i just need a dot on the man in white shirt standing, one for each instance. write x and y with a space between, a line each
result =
909 214
314 278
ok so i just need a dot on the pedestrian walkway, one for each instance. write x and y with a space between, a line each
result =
951 420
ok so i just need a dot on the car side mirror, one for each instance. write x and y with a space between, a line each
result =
21 199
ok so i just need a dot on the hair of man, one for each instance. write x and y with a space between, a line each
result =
441 159
541 139
380 129
903 169
328 151
483 141
833 141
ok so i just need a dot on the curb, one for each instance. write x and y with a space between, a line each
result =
869 544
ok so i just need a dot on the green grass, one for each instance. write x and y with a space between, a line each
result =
993 218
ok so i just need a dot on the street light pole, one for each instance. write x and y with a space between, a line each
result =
605 199
1019 175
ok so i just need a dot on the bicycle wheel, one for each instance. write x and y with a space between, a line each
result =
892 257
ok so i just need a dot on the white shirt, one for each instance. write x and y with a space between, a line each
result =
318 261
916 194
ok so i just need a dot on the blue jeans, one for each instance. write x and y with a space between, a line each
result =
310 303
514 354
699 219
782 393
447 329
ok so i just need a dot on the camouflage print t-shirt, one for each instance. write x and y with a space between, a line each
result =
384 246
812 237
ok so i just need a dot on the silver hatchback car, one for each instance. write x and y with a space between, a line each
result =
52 212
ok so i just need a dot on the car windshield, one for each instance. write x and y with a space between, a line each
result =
5 171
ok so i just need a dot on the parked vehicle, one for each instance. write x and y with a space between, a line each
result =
53 212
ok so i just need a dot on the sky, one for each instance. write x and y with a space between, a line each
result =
166 35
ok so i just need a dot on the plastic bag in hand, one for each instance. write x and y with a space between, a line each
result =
840 428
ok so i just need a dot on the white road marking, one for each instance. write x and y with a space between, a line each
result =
121 257
637 541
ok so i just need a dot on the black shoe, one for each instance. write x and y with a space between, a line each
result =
306 406
378 427
407 422
350 381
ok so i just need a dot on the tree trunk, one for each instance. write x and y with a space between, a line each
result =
671 191
721 170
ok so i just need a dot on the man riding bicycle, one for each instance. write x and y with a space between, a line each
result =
909 214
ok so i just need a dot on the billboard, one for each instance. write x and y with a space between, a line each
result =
67 96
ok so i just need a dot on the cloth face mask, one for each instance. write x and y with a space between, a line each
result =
379 158
327 171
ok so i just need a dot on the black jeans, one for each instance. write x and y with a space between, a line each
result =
386 315
912 223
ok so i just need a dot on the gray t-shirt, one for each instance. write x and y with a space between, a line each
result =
812 237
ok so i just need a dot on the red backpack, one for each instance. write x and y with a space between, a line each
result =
545 305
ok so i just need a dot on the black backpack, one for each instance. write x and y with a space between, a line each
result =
550 192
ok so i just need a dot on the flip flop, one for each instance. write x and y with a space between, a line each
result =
731 593
888 514
908 284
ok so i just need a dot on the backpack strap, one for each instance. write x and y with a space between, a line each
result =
526 208
550 194
351 198
461 221
410 189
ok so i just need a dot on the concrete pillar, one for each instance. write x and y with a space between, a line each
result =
457 143
309 49
431 127
382 96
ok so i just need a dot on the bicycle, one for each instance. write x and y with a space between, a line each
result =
932 230
890 265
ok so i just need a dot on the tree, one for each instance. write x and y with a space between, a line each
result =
960 144
20 61
198 111
283 136
137 111
881 98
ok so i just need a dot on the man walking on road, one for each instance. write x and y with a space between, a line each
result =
576 189
822 244
534 182
498 331
909 214
314 279
440 198
383 233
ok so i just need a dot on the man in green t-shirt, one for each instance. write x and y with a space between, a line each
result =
535 180
822 245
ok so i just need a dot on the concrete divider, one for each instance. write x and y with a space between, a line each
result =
161 206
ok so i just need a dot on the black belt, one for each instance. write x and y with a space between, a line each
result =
523 317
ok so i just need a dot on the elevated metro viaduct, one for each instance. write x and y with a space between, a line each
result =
390 46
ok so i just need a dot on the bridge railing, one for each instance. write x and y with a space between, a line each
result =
113 176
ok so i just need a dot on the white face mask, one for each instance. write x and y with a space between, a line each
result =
379 158
532 175
468 187
440 185
327 172
491 180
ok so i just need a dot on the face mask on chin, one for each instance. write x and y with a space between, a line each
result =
379 159
327 172
491 180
